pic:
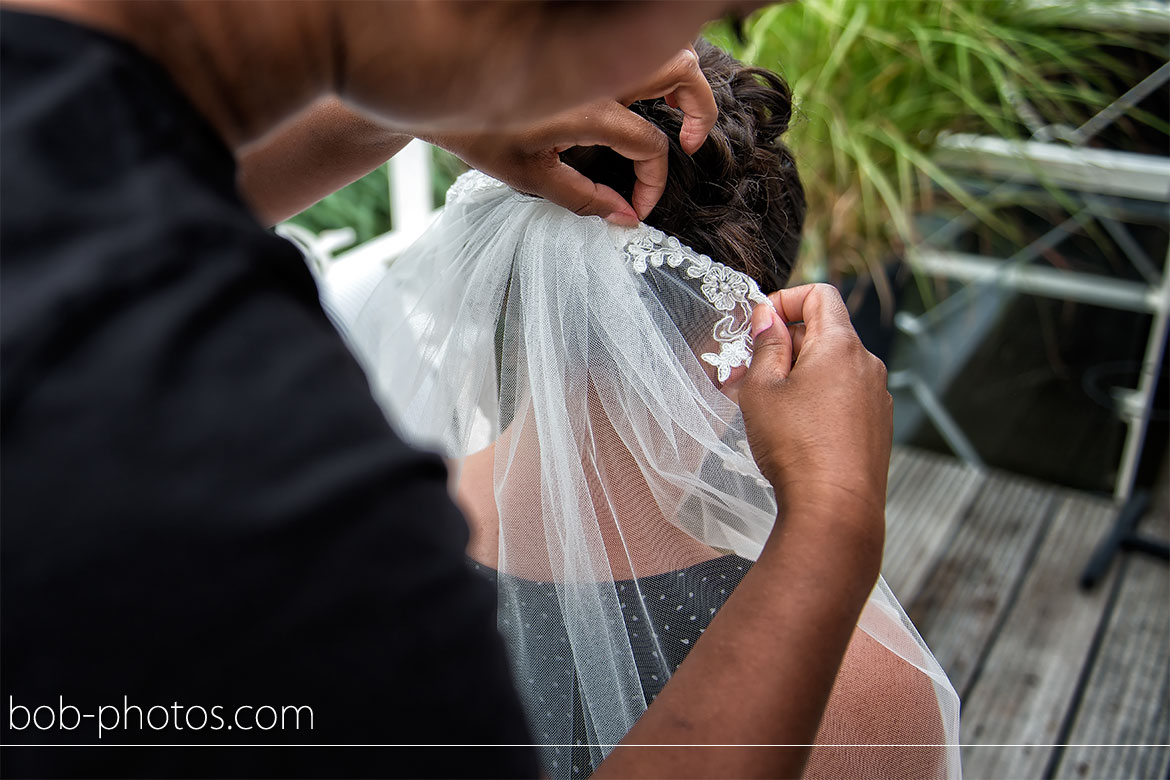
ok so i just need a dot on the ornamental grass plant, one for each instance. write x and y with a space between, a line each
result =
876 82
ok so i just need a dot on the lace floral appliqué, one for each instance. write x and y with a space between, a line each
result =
472 186
731 293
726 289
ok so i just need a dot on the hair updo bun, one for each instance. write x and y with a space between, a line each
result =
738 198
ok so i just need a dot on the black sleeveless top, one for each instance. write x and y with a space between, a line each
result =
202 503
665 614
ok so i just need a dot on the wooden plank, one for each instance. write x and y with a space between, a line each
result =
1127 696
1029 679
922 511
962 601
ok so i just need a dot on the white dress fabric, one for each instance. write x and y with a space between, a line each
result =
582 361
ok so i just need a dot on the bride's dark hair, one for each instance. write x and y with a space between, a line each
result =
738 198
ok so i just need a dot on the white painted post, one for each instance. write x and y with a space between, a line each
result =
410 188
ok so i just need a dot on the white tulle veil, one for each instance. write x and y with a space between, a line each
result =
575 366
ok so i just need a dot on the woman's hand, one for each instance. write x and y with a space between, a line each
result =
331 145
818 415
529 160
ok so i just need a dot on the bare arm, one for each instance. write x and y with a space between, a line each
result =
820 428
763 671
315 153
329 145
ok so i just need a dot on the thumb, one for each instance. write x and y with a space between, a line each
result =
771 345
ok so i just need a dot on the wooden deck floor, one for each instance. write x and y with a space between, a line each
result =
987 565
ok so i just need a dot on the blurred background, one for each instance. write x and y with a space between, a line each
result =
988 185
